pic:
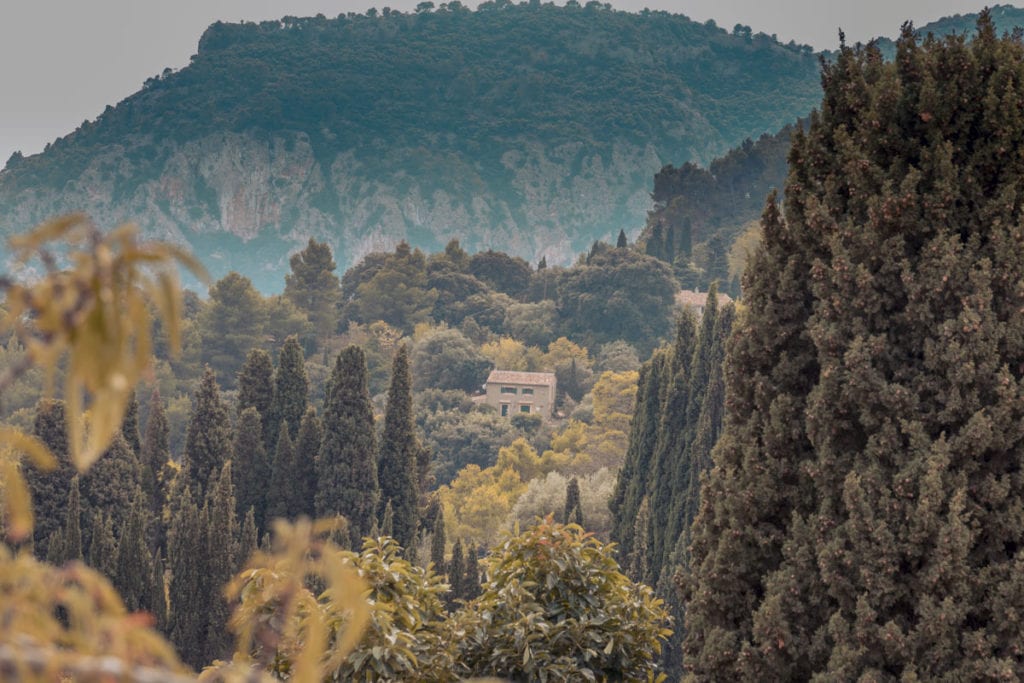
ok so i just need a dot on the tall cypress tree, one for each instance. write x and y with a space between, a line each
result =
437 543
221 540
133 569
304 472
73 525
102 543
49 489
471 580
256 390
251 466
187 591
111 483
456 571
398 450
130 425
347 466
885 546
291 387
155 457
248 539
281 483
573 513
208 440
631 483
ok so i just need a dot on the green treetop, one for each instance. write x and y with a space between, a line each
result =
256 390
291 387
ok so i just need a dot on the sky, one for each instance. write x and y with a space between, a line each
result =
63 61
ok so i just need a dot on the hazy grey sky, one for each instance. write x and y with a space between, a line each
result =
63 61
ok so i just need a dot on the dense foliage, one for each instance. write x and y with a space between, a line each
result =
861 520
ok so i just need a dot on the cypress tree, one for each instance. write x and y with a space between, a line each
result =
155 456
471 582
622 242
73 525
221 540
248 540
102 544
437 543
49 489
251 467
133 568
637 566
456 574
291 387
573 513
398 450
130 425
156 601
387 520
55 548
256 390
189 597
875 535
674 431
208 439
347 466
110 484
281 482
304 472
632 480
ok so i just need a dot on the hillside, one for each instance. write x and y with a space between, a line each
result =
531 128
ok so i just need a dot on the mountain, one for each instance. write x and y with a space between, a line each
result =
530 128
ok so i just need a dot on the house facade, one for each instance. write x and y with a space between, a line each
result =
513 393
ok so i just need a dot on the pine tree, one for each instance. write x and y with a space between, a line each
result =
133 568
49 489
314 288
73 525
281 493
221 539
304 472
573 513
291 388
347 465
256 390
251 467
130 425
858 525
188 591
398 450
208 440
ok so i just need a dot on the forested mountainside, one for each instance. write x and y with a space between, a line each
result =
531 128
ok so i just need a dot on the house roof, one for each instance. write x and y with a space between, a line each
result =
514 377
688 297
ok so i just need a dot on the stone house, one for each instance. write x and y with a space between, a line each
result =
512 393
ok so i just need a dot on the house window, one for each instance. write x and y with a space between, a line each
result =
504 409
524 409
508 390
527 392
